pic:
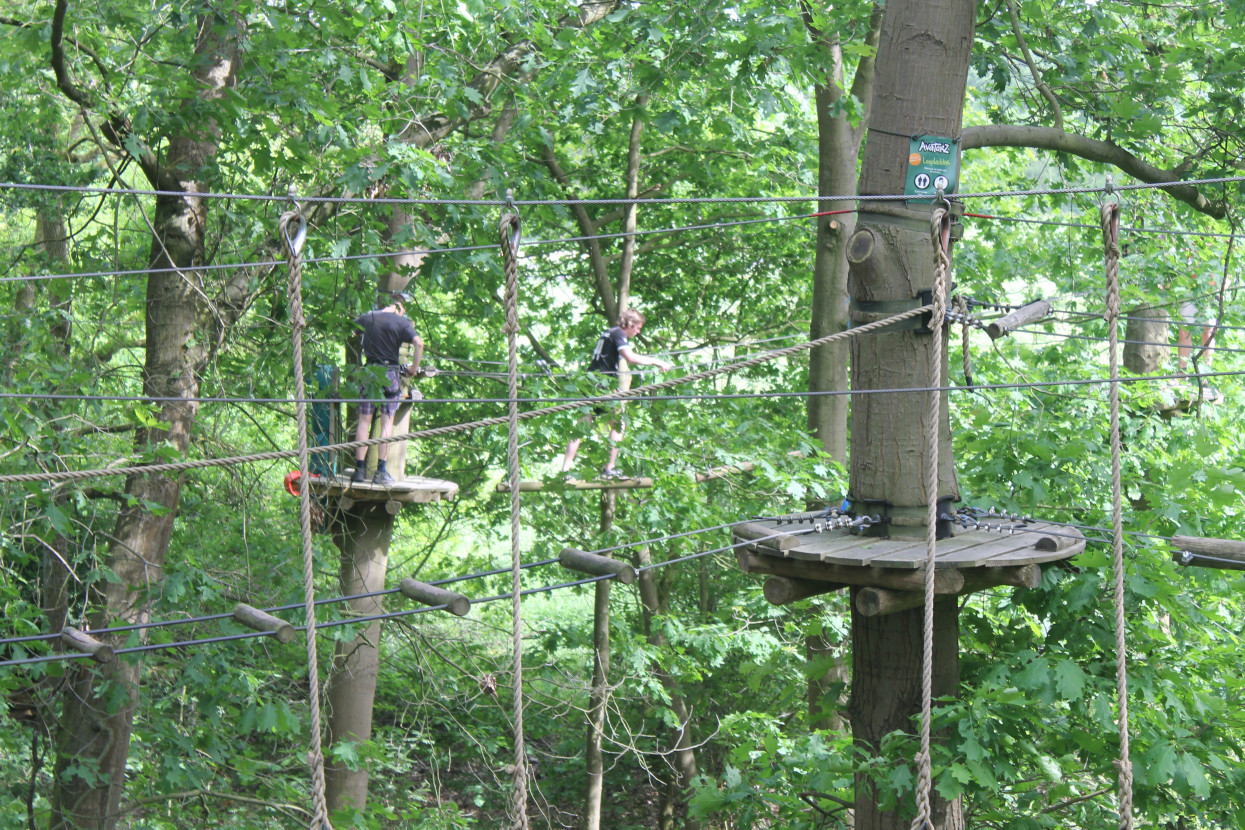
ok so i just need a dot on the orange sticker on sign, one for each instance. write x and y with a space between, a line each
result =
914 159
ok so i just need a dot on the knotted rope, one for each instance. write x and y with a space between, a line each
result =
940 238
1110 215
508 229
315 755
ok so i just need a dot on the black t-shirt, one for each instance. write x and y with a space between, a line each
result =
609 348
383 333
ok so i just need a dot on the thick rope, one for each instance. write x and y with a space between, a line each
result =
315 755
940 234
508 229
1110 215
434 432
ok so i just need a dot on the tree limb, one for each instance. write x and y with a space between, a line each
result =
1049 138
1042 86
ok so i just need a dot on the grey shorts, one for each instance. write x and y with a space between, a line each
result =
1194 316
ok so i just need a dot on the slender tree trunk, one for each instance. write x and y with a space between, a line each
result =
363 537
93 736
684 754
598 700
922 70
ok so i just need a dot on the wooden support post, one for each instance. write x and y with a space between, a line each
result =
1024 315
258 620
100 652
1228 554
591 563
456 604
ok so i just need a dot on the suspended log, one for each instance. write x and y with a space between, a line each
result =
456 604
1228 554
591 563
100 652
257 620
1024 315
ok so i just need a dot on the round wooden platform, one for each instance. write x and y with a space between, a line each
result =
802 561
409 490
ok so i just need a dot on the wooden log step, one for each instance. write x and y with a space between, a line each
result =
455 603
1201 551
100 652
257 620
591 563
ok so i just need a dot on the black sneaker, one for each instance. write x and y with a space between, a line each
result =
359 476
613 473
383 479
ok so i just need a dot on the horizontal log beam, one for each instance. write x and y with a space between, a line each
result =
100 652
1022 316
1199 551
455 603
874 601
591 563
784 590
257 620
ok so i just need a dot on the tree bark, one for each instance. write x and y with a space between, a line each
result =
598 699
363 537
922 71
93 735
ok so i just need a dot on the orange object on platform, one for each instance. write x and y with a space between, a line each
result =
291 482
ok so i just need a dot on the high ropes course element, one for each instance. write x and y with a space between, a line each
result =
885 575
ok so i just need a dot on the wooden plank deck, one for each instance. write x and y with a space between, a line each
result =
409 490
1032 543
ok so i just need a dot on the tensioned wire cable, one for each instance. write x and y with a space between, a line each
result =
668 200
587 401
542 242
331 600
392 614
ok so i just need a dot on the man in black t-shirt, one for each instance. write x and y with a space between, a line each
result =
613 345
385 330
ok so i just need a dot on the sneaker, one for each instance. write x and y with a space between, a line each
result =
359 476
613 473
383 479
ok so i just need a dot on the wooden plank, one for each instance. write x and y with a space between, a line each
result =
1046 548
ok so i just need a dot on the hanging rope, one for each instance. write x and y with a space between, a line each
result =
315 755
508 229
1110 215
961 305
940 238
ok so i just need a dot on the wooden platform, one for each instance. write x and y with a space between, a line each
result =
532 485
409 490
802 562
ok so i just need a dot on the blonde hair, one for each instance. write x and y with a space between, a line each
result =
630 318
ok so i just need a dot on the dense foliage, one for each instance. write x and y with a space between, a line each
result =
710 111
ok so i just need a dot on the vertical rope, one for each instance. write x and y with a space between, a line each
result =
315 755
508 228
940 236
1110 216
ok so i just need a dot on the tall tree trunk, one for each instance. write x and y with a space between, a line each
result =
598 700
922 71
93 736
363 536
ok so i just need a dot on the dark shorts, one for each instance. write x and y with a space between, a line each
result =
389 405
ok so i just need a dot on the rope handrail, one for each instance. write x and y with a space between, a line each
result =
78 475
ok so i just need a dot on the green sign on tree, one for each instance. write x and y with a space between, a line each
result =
931 167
